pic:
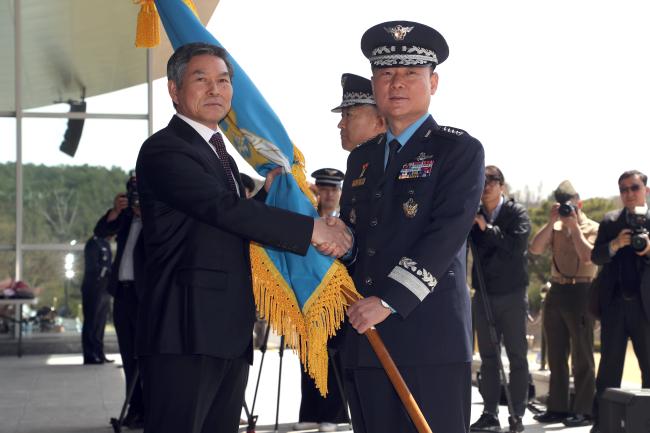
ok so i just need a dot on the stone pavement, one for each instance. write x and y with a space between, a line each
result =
57 394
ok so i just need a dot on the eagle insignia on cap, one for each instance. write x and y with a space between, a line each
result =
398 32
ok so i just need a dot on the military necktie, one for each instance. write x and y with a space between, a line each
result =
393 146
220 147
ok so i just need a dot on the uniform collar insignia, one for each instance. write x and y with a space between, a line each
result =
398 32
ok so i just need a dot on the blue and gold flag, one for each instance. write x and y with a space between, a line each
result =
300 296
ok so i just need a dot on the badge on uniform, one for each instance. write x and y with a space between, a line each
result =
410 207
420 168
360 180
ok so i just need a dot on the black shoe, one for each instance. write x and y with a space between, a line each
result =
550 417
578 420
92 361
516 424
487 422
107 360
594 429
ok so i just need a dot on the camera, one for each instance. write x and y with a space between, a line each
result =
566 208
636 221
132 192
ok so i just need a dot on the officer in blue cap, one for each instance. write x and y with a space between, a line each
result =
360 120
410 196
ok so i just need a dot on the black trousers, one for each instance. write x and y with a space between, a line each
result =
570 330
314 407
193 393
509 313
95 303
443 393
125 317
620 320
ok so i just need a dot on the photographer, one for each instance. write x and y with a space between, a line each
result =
500 233
124 221
568 326
623 250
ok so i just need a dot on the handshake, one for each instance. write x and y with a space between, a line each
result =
331 236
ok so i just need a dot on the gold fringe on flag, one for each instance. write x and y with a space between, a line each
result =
147 33
306 331
298 172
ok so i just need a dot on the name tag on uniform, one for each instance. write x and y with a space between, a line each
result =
361 179
416 169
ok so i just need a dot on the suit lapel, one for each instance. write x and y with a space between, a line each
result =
197 142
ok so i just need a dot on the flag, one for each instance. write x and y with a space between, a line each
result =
300 296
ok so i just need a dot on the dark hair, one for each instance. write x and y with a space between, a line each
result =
502 179
178 61
631 173
248 182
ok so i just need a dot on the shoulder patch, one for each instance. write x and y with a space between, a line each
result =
451 131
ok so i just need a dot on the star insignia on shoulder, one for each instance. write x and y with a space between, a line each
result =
450 130
398 32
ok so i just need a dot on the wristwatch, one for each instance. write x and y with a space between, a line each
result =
385 305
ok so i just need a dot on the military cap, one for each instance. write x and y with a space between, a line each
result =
564 192
403 43
356 91
328 177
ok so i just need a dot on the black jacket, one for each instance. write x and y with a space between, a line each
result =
198 297
120 227
502 250
612 279
97 264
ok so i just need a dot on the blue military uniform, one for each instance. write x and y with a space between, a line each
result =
411 200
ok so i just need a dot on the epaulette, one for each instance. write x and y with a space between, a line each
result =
451 131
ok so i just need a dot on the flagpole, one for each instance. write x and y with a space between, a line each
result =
393 373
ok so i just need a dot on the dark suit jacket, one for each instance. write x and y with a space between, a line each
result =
97 264
120 227
198 297
410 238
611 278
502 250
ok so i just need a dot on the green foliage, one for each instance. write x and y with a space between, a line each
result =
61 204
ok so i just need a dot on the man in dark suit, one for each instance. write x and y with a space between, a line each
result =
127 275
500 234
624 285
95 300
411 196
197 313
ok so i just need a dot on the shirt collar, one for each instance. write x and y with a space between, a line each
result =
205 132
495 213
406 135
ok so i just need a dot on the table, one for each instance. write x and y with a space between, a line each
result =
18 319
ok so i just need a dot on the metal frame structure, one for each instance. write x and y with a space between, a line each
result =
20 247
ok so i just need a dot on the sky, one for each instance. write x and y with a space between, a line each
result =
553 89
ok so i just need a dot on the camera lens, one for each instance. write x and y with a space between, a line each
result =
639 243
565 209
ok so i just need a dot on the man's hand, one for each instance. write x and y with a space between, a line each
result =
270 177
479 220
623 239
331 236
366 313
119 204
554 214
645 252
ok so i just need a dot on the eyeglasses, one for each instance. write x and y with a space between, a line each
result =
634 188
491 179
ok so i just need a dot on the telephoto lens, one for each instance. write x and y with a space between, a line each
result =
566 209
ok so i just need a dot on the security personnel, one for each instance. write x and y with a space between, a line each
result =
315 410
360 119
410 196
95 300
